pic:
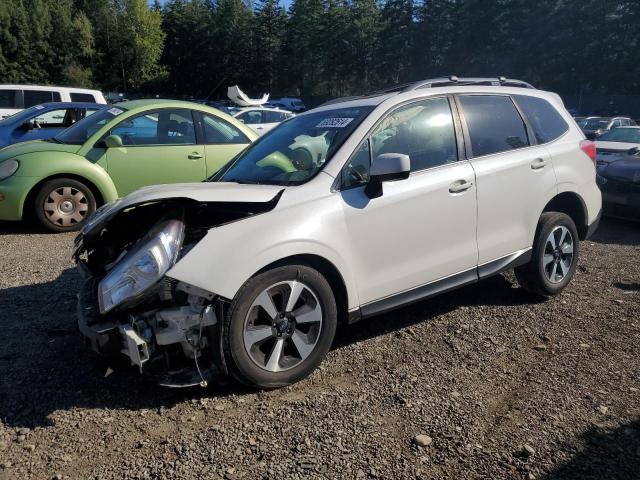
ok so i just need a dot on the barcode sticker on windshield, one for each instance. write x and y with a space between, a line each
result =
115 111
334 123
39 107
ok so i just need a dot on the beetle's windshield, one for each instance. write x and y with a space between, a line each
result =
295 151
79 132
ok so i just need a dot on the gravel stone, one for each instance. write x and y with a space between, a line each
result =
422 440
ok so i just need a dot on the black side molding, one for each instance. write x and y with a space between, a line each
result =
443 285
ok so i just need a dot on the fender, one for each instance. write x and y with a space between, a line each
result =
64 163
217 265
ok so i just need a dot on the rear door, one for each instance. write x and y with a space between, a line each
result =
158 147
222 140
514 174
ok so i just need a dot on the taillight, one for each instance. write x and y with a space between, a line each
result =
589 147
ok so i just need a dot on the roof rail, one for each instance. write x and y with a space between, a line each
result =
454 80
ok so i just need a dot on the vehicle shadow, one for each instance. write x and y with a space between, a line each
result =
614 231
607 454
497 290
45 366
18 228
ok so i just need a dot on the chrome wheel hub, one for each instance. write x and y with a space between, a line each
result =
66 206
558 254
282 326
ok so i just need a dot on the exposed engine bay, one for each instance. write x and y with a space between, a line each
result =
128 309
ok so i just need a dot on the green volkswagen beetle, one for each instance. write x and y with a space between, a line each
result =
112 152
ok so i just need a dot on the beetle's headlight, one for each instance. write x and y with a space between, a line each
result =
143 266
8 168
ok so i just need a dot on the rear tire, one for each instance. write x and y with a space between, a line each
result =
279 326
63 205
554 258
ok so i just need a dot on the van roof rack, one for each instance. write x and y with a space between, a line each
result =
454 80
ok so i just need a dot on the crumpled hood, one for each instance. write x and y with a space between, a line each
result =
17 149
626 169
200 192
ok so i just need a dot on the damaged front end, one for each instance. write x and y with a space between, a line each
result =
129 309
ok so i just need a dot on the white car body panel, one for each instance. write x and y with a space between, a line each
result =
511 196
64 92
264 127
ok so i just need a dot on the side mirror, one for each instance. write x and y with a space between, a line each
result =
385 168
113 141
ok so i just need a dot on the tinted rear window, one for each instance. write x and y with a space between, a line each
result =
82 97
545 120
35 97
494 124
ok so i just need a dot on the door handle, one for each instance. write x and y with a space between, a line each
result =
460 186
538 163
194 156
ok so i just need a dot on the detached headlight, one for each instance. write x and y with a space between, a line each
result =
8 168
143 266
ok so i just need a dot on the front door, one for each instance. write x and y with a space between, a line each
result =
158 147
421 229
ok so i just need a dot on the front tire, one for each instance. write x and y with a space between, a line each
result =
279 326
555 256
63 205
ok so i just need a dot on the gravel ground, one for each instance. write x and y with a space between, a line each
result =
484 382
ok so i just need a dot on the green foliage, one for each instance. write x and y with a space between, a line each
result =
319 47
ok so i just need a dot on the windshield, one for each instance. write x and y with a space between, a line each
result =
596 123
295 151
629 135
80 132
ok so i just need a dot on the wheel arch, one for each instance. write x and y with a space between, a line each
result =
571 204
327 269
30 198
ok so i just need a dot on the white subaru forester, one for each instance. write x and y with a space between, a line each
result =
343 212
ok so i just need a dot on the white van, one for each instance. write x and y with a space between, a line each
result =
14 98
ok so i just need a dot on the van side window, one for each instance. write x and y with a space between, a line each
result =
8 99
494 124
36 97
82 97
546 122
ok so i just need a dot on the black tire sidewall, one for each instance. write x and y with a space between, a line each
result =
548 223
242 367
46 189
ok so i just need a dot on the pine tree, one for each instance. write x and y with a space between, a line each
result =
270 27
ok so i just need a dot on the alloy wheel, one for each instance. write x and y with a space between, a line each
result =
66 206
558 254
282 326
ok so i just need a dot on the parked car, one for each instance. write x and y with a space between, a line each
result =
14 98
43 121
614 143
289 103
112 152
262 119
596 126
619 181
341 213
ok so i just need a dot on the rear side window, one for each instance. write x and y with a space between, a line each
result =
35 97
546 122
8 99
494 124
273 117
82 97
